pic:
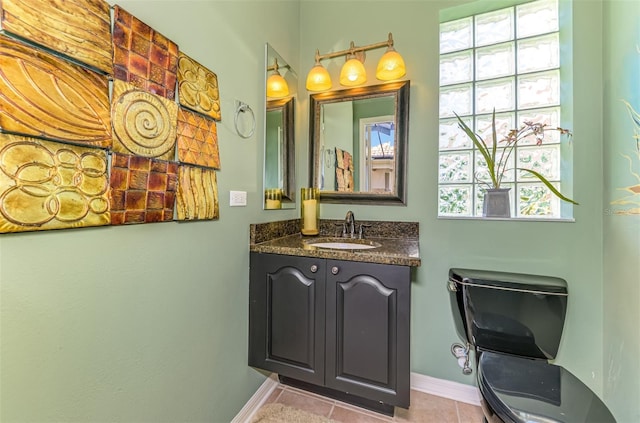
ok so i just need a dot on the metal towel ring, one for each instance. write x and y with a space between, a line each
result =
241 108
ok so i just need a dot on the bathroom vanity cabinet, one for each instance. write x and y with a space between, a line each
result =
340 326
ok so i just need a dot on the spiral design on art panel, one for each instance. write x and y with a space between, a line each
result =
144 123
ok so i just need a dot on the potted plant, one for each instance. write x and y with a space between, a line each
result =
496 201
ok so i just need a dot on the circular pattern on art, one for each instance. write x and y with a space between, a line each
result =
143 124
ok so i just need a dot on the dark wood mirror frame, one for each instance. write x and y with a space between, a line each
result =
400 91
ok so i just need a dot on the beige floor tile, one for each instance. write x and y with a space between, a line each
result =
427 408
305 402
353 415
468 413
424 408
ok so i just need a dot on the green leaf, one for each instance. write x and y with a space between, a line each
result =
548 185
483 148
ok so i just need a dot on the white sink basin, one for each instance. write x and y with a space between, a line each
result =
340 244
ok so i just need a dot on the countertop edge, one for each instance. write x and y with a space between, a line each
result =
292 245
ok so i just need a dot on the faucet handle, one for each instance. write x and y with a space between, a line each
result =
344 228
361 230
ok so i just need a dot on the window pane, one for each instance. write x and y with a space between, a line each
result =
455 99
549 117
452 137
455 35
482 173
544 160
538 90
539 53
504 123
537 17
495 61
456 68
498 94
494 27
536 200
454 200
455 167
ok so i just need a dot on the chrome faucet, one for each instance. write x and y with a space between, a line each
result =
349 228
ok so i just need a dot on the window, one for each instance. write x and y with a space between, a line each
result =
507 60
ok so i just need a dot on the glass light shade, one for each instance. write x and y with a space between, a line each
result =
318 79
391 66
353 73
277 86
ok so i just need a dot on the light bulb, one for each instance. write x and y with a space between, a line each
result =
318 79
353 73
391 66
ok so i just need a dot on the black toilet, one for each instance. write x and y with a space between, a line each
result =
513 323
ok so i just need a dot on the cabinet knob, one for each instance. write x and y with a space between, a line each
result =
335 270
314 268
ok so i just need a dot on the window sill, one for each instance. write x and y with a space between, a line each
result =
514 219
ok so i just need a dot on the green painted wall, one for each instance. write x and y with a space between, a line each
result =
621 280
148 323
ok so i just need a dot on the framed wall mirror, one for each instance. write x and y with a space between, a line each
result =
279 133
358 137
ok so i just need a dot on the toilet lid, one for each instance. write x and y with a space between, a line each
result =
524 390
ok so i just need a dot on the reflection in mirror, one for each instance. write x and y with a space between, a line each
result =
279 143
359 143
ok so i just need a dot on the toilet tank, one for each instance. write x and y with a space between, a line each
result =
505 312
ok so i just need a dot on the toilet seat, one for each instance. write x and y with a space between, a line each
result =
529 390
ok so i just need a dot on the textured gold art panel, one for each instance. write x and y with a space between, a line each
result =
45 96
144 124
79 29
198 87
142 56
48 185
197 139
143 190
197 194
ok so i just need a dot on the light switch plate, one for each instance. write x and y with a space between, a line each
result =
237 198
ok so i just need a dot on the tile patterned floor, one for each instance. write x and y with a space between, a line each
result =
424 408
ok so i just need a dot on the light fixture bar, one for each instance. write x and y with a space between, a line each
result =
390 66
354 49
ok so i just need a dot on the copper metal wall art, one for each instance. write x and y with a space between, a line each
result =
198 87
59 122
197 139
197 197
143 56
45 96
48 185
142 189
79 29
144 124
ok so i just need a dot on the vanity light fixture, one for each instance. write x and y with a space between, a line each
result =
318 78
277 86
353 73
390 67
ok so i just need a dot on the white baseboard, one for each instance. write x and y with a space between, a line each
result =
427 384
445 388
256 400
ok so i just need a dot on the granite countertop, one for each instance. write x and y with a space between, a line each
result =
398 241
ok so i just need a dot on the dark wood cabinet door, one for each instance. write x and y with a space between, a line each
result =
368 330
286 316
